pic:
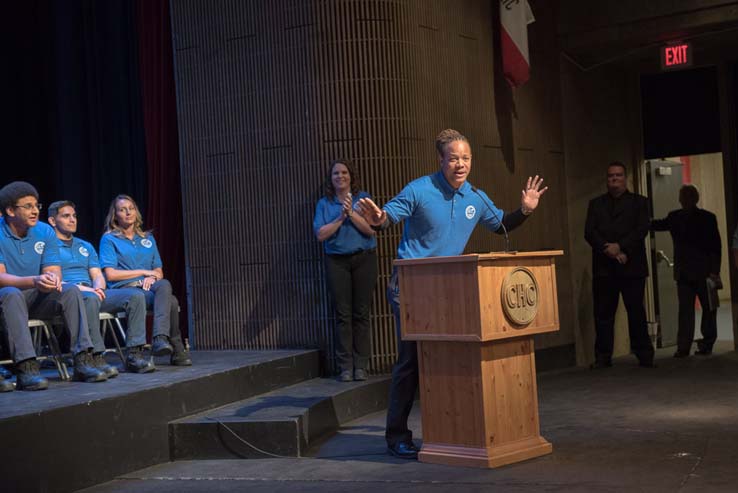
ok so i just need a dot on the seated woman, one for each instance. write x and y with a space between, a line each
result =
129 258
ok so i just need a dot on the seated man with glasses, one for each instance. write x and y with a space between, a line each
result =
30 286
81 267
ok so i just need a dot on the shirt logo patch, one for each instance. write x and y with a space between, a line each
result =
83 251
146 243
470 212
39 247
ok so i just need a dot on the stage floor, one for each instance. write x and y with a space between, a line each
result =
672 428
61 394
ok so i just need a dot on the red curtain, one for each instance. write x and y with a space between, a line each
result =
164 207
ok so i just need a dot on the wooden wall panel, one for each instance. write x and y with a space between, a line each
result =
269 92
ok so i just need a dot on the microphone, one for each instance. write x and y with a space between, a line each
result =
504 229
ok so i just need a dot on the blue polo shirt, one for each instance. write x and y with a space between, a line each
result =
27 256
439 219
119 252
77 258
348 239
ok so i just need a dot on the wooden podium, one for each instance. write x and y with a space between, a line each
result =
474 317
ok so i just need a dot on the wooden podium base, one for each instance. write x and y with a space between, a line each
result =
474 318
490 457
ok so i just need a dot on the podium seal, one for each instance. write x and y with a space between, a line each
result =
520 296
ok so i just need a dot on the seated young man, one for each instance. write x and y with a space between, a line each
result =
81 267
30 285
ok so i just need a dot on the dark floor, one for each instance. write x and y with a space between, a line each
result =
61 394
672 428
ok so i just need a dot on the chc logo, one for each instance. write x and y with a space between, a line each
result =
520 296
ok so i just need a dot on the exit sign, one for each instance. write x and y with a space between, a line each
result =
674 56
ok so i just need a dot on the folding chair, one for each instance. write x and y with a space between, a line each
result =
111 322
44 327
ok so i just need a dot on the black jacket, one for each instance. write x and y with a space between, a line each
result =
622 220
697 245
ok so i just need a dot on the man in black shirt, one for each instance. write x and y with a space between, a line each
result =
616 226
697 255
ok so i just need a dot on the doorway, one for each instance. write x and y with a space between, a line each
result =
665 177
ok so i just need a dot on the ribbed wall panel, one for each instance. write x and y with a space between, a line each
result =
269 92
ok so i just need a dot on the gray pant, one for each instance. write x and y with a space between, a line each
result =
17 306
130 300
166 310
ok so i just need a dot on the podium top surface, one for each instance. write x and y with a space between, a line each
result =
476 257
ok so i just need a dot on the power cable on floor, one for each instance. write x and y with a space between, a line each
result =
247 443
277 456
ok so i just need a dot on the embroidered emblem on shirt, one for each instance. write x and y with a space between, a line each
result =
39 247
84 252
470 211
146 243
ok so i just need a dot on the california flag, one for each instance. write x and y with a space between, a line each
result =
515 15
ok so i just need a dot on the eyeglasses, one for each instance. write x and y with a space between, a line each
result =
28 207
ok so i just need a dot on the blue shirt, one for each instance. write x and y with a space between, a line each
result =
27 256
348 239
120 253
77 258
439 219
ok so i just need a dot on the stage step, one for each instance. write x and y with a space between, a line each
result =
122 425
282 423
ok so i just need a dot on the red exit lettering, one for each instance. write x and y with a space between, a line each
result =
675 55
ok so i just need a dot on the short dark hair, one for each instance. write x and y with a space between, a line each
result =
330 191
690 194
447 136
54 207
620 165
13 192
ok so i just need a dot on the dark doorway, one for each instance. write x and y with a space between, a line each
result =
681 113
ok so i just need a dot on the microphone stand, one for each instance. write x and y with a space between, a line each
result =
504 229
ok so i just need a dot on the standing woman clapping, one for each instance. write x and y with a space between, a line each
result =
351 266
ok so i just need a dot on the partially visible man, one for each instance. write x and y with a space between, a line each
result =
697 256
81 267
30 278
616 228
440 212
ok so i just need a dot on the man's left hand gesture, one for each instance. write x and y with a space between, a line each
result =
532 194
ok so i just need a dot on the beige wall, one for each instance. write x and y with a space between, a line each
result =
707 176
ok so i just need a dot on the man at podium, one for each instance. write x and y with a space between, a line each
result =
440 212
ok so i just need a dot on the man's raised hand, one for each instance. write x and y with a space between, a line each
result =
370 212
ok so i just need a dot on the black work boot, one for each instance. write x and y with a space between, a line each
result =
6 385
28 376
161 346
136 363
85 370
99 360
180 357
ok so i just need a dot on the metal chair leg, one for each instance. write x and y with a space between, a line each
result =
56 352
118 349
